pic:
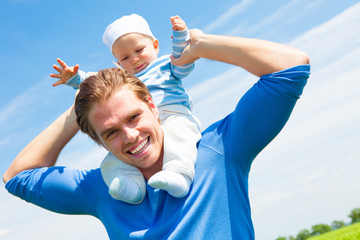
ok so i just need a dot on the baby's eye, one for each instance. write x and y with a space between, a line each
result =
139 50
124 58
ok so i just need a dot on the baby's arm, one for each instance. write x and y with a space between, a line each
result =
64 72
180 40
70 76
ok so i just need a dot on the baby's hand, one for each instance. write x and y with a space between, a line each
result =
177 23
65 72
190 53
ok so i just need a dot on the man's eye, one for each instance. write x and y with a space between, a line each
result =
110 134
134 117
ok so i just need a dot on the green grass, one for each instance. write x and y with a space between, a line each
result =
351 232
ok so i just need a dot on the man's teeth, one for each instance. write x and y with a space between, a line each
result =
140 148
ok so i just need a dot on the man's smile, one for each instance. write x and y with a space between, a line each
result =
141 147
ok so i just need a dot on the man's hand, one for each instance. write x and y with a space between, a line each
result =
65 72
191 52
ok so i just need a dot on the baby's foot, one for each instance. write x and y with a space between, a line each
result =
125 189
176 184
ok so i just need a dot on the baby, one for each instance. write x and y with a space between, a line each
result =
132 43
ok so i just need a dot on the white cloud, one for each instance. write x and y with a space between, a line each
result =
29 107
335 38
26 104
82 152
4 232
224 18
283 12
218 96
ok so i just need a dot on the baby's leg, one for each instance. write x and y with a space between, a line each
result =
181 135
125 182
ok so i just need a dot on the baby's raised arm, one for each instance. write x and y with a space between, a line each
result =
64 72
177 23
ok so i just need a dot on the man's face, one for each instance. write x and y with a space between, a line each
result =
130 130
135 51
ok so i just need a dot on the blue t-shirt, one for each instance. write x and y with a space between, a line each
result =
217 206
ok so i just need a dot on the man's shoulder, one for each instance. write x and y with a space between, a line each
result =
91 175
213 137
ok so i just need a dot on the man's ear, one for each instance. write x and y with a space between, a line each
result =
156 45
153 106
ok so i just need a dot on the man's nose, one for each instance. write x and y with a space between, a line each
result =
130 135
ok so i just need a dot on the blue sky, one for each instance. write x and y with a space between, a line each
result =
307 175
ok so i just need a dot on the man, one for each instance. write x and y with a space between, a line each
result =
125 121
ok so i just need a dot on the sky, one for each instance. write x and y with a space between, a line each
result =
308 175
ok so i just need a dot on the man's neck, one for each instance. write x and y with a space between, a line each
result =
149 172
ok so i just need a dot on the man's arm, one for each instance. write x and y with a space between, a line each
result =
44 150
258 57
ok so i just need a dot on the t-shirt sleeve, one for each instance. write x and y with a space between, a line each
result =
262 112
58 189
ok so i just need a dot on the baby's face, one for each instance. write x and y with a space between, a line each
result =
135 51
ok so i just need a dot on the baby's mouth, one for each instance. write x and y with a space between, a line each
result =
141 67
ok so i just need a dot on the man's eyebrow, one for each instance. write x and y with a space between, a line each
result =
134 112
